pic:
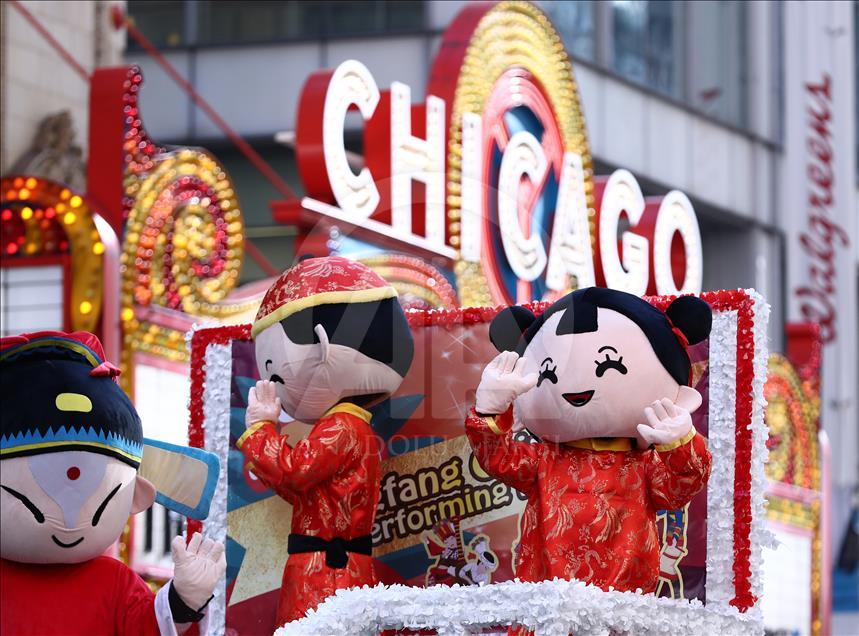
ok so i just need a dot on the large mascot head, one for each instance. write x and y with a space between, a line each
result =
602 356
70 446
330 330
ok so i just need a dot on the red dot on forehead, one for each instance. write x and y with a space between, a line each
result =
73 473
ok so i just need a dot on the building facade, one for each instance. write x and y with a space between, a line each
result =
748 108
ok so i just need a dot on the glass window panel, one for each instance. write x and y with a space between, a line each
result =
646 42
346 17
405 15
576 23
162 21
716 55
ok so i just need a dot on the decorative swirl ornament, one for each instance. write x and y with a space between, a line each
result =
184 237
514 65
42 218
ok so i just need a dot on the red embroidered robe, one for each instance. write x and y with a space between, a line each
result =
591 514
332 479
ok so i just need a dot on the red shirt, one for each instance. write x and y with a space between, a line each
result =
99 597
591 514
333 481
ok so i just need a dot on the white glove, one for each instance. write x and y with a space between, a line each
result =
668 422
197 569
502 382
263 404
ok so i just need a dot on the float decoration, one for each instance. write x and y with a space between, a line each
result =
734 500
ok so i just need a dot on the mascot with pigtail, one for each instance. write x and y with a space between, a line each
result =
73 466
601 381
331 341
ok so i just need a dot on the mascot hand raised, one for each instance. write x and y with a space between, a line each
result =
602 385
502 382
197 568
668 422
263 403
75 465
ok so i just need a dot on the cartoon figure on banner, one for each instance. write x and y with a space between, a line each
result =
674 525
601 379
453 564
75 465
331 341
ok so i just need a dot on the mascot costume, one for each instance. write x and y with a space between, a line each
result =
71 446
601 379
331 341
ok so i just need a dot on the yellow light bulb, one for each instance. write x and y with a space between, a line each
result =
86 307
69 218
98 248
76 201
27 213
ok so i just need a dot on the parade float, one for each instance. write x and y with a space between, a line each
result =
480 197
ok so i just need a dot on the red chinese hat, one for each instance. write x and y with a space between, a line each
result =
328 280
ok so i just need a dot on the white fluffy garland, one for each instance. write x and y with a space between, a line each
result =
216 425
760 535
721 441
554 607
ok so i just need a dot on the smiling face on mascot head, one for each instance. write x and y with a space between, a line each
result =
602 357
70 446
331 330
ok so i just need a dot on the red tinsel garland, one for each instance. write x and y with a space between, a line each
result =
726 300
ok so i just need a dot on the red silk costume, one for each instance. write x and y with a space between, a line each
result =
99 597
332 479
591 512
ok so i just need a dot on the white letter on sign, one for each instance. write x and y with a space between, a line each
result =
351 83
623 194
570 250
523 156
471 222
676 214
418 159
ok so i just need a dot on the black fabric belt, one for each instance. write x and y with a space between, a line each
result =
335 549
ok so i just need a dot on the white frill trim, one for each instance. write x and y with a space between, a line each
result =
550 607
216 424
722 445
760 535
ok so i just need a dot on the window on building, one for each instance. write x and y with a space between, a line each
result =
716 54
646 36
31 299
162 21
576 23
250 21
246 22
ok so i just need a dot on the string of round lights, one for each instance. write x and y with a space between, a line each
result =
42 218
420 285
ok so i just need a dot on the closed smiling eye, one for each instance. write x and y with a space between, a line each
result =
609 362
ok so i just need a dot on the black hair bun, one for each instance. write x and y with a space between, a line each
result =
507 327
692 316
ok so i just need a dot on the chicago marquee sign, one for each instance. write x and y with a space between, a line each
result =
492 174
